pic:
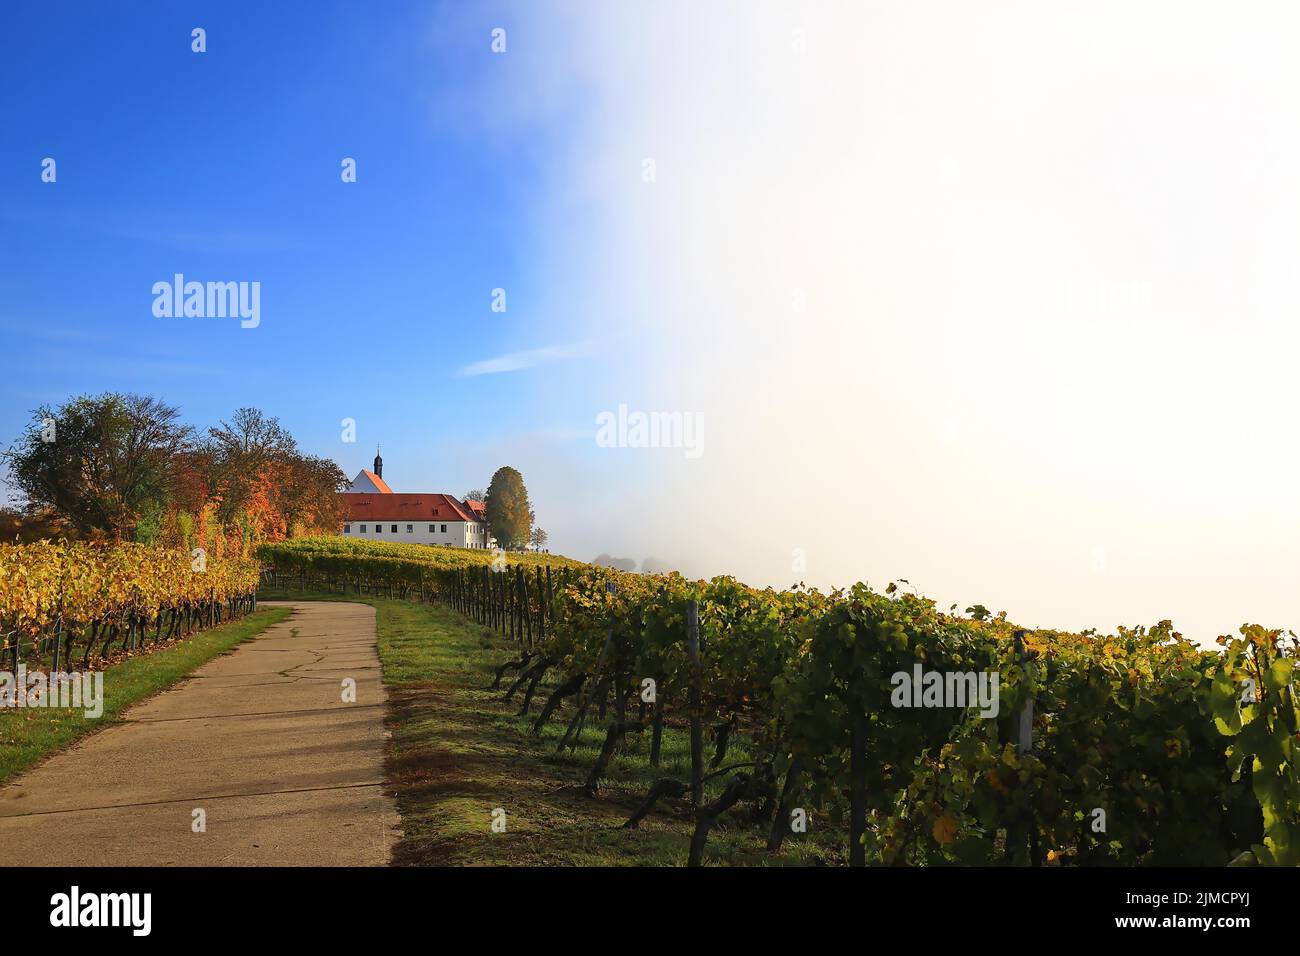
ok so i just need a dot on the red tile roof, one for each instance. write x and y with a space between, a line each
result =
379 482
393 507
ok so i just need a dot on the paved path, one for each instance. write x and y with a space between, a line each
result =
260 739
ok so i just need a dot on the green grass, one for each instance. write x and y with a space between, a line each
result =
28 735
457 752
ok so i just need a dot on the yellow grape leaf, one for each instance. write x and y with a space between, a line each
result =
944 829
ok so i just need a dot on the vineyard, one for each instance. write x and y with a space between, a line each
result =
60 598
1133 748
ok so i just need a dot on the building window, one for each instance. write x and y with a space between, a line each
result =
410 528
444 529
431 529
363 529
379 529
347 529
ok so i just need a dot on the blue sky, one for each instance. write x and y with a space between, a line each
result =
225 165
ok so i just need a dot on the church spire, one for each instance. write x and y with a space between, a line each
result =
379 464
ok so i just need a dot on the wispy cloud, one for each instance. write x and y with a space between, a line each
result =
37 329
117 226
514 361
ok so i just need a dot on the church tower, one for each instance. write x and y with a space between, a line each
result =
379 464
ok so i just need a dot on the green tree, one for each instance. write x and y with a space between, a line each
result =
99 461
509 515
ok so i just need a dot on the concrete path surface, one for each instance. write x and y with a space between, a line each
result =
286 772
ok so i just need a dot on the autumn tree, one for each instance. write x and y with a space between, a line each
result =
264 487
240 455
509 515
309 494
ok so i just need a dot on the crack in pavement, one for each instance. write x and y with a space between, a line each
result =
260 713
208 797
263 674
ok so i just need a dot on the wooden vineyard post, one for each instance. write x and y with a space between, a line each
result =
507 607
503 606
541 609
524 611
512 597
858 790
857 781
516 615
1025 719
550 596
520 605
508 604
697 729
1024 730
58 623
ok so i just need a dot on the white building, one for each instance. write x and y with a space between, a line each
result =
377 513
